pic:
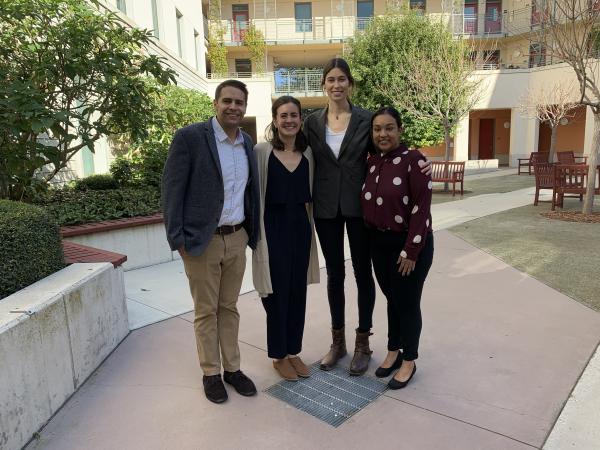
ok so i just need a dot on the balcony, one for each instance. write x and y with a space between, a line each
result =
299 82
478 25
290 31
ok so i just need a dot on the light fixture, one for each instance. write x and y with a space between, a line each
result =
564 121
506 124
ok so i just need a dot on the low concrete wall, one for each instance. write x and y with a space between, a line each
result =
144 245
53 335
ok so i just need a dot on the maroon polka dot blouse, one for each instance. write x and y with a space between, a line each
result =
397 196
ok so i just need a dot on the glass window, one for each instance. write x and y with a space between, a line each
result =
155 19
364 13
243 68
179 20
303 14
418 6
122 6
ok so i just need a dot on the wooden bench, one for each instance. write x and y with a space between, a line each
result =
569 157
534 158
449 172
77 253
544 179
571 179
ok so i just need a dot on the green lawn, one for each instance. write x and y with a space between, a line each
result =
499 184
563 255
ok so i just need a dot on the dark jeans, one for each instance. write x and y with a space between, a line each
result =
331 237
403 293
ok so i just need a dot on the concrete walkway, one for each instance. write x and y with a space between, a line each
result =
500 355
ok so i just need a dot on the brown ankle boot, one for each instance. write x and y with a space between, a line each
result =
362 354
337 350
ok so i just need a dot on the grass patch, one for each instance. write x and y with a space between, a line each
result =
491 185
563 255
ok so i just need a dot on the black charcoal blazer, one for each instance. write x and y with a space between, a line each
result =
193 192
338 181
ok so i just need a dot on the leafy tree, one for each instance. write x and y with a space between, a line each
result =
378 58
174 107
254 39
70 73
571 36
217 52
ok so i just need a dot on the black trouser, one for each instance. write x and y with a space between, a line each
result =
403 293
331 237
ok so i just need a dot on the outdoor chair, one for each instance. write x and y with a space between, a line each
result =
534 158
544 179
570 179
569 157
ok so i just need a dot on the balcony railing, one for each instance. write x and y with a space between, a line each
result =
300 82
477 25
317 29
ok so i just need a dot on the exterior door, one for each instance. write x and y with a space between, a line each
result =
470 17
493 21
486 138
240 21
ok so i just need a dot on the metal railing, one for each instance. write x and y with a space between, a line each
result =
228 75
317 29
480 25
299 82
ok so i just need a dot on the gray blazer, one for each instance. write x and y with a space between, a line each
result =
338 181
193 192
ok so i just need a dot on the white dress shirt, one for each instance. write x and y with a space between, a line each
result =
234 166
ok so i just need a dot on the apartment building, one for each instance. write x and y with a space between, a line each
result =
179 32
301 36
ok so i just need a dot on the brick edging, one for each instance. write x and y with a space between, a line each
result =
109 225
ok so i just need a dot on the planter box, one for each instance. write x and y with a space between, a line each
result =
53 335
142 239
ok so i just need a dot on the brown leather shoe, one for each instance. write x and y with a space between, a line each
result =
285 369
362 354
302 370
337 350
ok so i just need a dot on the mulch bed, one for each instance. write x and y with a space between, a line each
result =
573 216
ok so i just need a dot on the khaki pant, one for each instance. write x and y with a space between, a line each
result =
215 279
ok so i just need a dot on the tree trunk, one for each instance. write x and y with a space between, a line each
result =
552 144
447 153
588 199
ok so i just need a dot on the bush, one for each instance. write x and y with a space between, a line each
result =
122 171
100 182
30 246
73 207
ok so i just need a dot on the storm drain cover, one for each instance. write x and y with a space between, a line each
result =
332 396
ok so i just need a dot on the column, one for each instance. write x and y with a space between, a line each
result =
524 135
589 131
461 140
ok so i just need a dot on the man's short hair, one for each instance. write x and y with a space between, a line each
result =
231 83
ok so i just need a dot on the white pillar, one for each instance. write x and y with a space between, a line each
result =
524 135
589 131
461 140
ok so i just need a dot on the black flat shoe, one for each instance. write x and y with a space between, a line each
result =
214 388
383 372
394 384
240 382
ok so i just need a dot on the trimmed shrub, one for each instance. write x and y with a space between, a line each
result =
122 171
30 246
73 207
99 182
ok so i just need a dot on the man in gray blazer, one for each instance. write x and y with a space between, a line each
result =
210 198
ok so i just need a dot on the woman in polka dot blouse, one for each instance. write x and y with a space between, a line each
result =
396 204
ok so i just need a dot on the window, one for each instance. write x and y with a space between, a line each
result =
491 59
122 6
418 6
197 49
470 17
303 14
241 19
179 20
243 68
364 13
155 19
537 55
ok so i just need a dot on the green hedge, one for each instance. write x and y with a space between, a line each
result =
30 246
100 182
73 207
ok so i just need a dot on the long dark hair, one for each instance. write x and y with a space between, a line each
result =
337 63
272 134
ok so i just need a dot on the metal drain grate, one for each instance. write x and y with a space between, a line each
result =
332 397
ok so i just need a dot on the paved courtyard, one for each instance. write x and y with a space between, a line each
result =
500 355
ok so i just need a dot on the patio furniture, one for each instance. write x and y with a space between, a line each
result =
569 157
449 172
534 158
571 179
544 179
